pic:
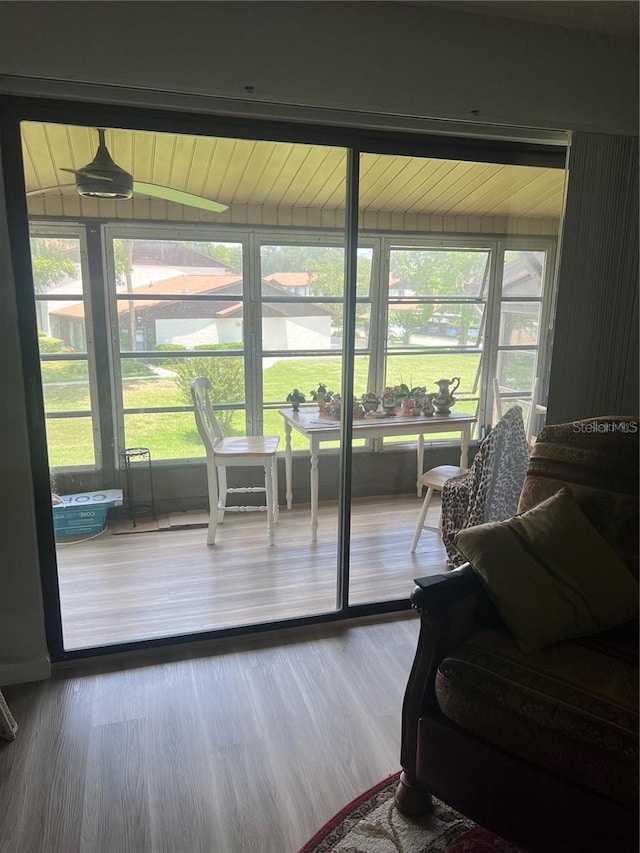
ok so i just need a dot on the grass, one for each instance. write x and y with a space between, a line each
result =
174 436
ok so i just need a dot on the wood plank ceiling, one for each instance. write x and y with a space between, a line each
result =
284 184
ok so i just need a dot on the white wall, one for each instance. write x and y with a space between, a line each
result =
299 333
403 59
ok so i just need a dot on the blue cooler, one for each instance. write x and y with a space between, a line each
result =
84 514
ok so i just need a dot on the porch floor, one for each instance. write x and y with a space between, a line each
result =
139 586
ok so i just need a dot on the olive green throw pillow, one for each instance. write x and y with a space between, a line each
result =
550 573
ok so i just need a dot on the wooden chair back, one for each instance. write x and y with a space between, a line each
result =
206 421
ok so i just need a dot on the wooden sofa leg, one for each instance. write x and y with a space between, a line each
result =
411 798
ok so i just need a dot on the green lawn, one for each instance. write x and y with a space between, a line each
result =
174 435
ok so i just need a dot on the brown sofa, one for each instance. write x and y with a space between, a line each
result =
541 748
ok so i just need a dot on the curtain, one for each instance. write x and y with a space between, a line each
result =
594 366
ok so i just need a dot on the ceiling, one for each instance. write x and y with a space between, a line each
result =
613 17
275 183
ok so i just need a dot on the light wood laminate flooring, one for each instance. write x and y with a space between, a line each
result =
135 587
242 745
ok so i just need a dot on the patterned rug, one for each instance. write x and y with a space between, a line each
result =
372 824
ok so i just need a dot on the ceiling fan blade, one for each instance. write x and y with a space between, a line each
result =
178 196
50 189
100 176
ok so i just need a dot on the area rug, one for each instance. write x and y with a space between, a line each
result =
372 824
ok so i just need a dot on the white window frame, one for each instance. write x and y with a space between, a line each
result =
252 239
77 230
142 231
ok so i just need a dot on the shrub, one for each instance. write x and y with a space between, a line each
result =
165 362
48 344
226 376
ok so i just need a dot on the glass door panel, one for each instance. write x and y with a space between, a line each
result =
175 257
458 295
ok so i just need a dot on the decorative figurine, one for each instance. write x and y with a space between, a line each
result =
427 407
389 402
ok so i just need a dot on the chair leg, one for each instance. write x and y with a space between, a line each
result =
421 520
212 482
268 487
222 492
274 481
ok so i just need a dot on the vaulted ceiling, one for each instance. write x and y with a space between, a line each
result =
276 183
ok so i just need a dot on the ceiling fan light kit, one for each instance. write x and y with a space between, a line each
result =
102 178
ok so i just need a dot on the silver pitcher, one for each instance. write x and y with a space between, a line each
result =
444 399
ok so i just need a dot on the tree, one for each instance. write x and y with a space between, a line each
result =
441 272
123 267
323 264
429 272
226 253
50 263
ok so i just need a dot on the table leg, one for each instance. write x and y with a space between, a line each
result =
420 464
314 491
268 486
465 439
287 464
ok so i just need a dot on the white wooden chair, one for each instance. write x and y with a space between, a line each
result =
484 485
497 400
434 479
234 451
534 408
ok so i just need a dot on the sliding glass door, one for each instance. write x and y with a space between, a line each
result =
226 256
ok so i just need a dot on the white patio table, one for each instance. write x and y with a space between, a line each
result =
317 428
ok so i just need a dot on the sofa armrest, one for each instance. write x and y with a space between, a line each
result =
437 593
451 606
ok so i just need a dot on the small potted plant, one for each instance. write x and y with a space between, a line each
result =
370 401
321 395
334 406
402 391
295 398
413 400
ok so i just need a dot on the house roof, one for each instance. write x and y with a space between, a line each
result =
289 279
175 286
195 285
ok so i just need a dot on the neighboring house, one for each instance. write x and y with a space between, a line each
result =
192 323
523 277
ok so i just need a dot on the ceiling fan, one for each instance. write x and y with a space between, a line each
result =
102 178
